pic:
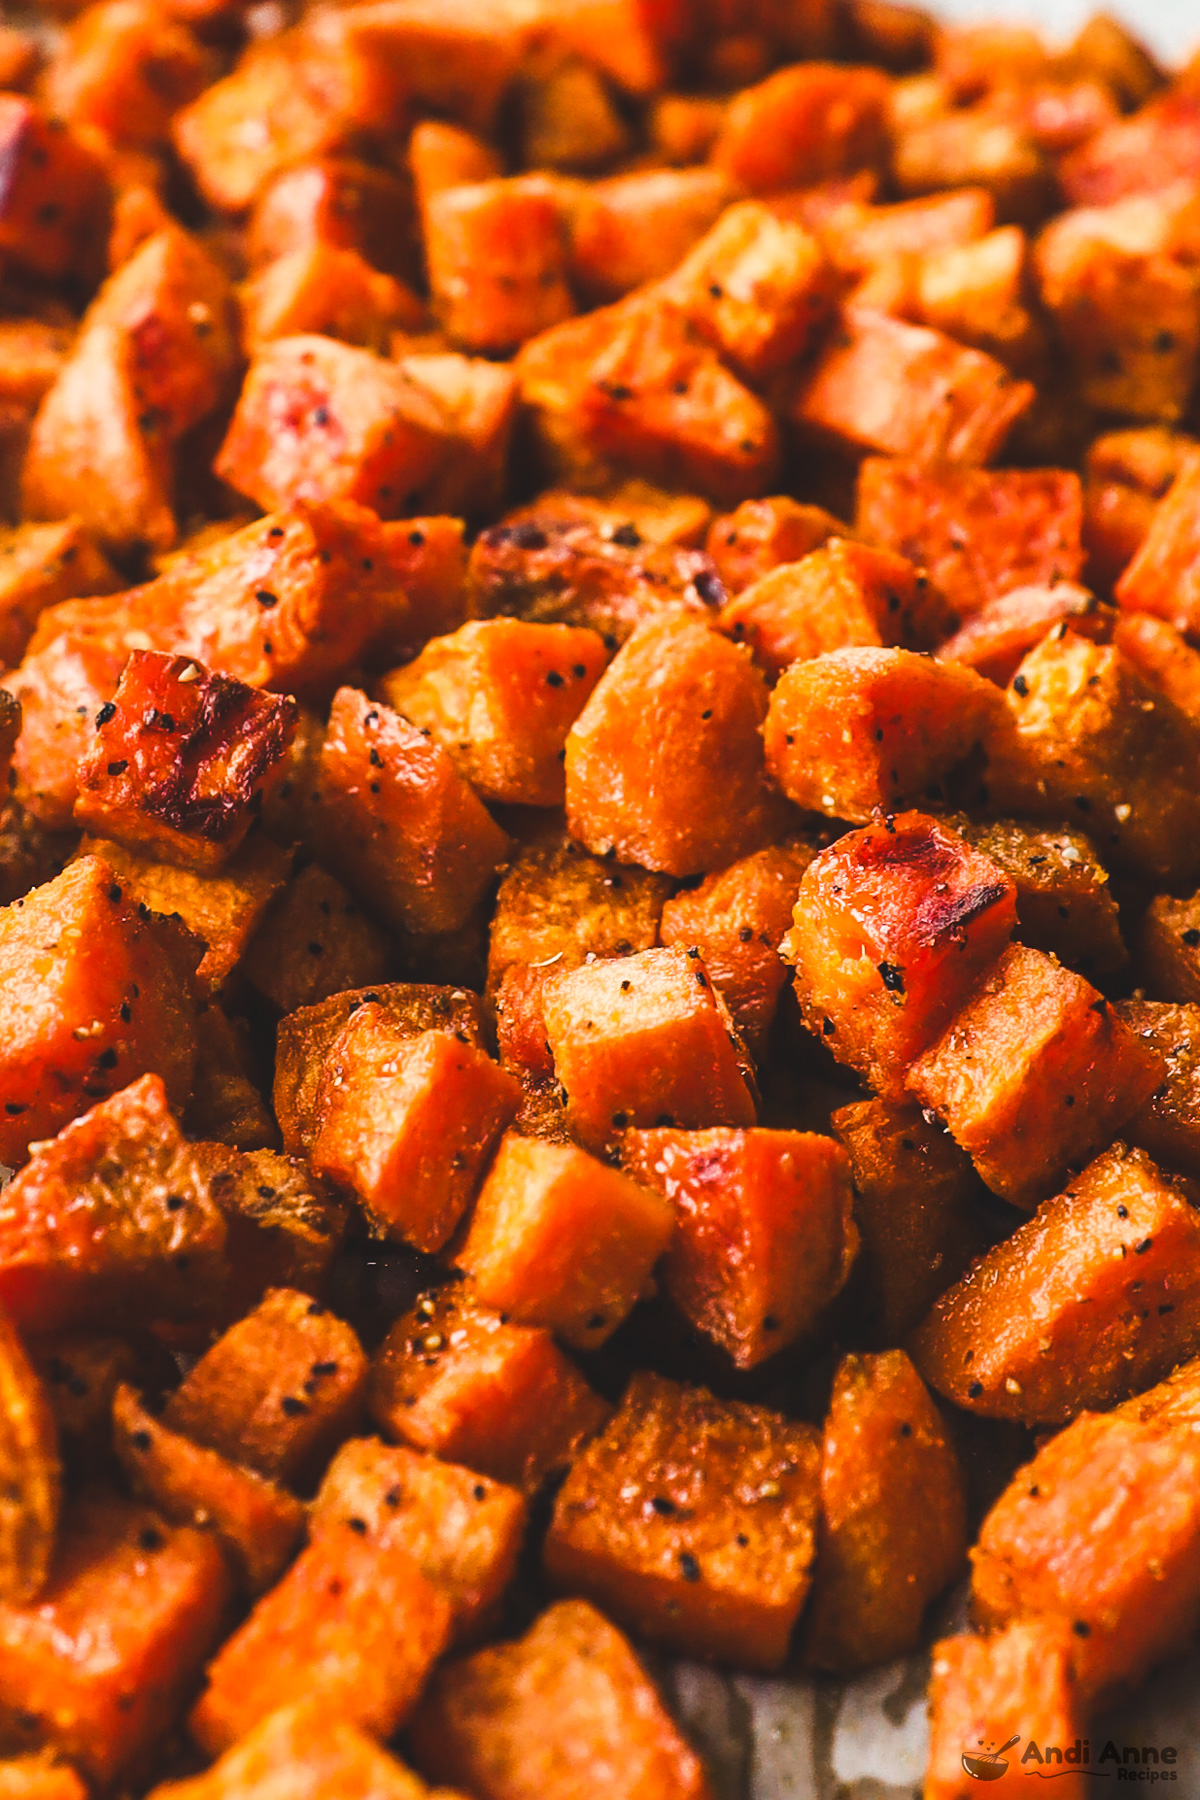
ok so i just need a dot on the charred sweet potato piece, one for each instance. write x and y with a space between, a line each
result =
1087 737
976 533
180 758
802 125
1164 576
696 1519
853 730
1168 948
664 764
125 68
29 1511
409 1123
399 820
278 1391
996 638
841 594
1034 1073
284 1225
893 1528
463 1529
764 1236
40 565
333 200
500 697
54 213
560 1239
463 1383
644 1040
354 1625
320 287
256 1522
982 1688
636 228
314 942
92 994
737 919
114 1211
497 255
319 420
306 1037
903 390
1064 905
1094 1298
1163 656
564 1712
98 1666
747 544
893 927
1101 1530
1168 1125
39 1777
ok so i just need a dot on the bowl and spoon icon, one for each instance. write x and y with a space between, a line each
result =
988 1765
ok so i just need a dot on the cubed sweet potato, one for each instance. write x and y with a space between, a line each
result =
695 1519
334 200
994 640
976 533
565 1713
1126 474
982 145
409 1123
1168 1125
987 1693
441 155
1034 1073
497 255
1168 948
802 125
1163 656
569 119
81 1372
98 1666
354 1625
893 927
1164 576
764 1236
665 764
322 287
40 565
284 1225
278 1391
893 1529
635 228
315 941
1140 155
854 730
747 544
428 558
479 402
398 820
32 1474
500 696
53 217
257 1523
1064 904
92 995
125 68
560 1239
463 1529
34 351
463 1383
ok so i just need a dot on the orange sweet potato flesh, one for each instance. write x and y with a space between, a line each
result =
29 1513
985 1691
40 565
1094 1298
39 1777
52 218
893 1515
1164 576
802 125
1168 1125
566 1713
463 1383
995 639
497 256
693 1520
1164 657
635 228
316 941
747 544
764 1236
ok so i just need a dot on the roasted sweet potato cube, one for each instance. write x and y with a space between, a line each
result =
92 994
428 558
560 1239
1126 474
98 1666
893 927
113 1211
222 909
1091 1300
278 1391
906 391
982 145
1164 576
665 762
841 594
409 1123
34 350
53 217
124 68
1087 737
644 1040
1064 905
569 120
337 201
354 1625
39 1777
479 401
1100 1530
400 822
986 1690
893 1528
441 155
257 1523
764 1236
1168 1125
29 1517
320 287
497 255
463 1529
996 638
285 1226
757 287
978 293
565 1712
696 1518
1141 155
636 228
802 125
747 544
976 533
315 941
40 565
319 420
737 919
180 759
1035 1072
500 697
80 1373
305 1038
857 729
457 1380
1163 656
